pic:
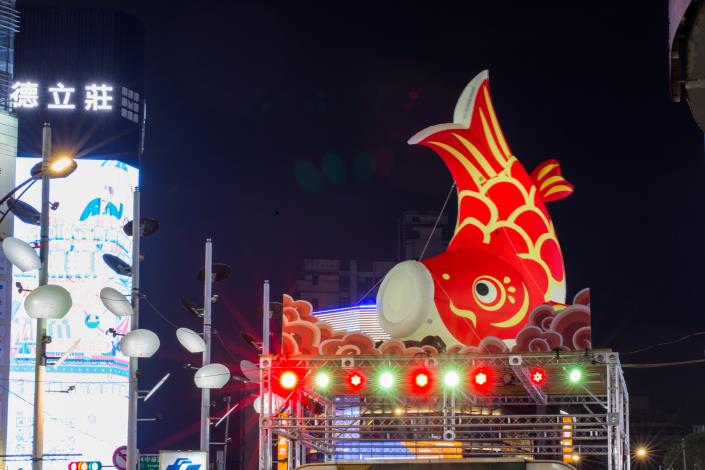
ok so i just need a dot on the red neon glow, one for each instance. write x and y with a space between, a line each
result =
288 380
356 380
482 378
537 376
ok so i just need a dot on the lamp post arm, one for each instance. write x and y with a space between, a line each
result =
17 188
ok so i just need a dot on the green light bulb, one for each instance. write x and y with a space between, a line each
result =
575 375
322 380
451 379
386 380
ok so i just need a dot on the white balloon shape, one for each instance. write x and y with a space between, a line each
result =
139 343
115 302
277 401
49 301
20 254
212 376
190 340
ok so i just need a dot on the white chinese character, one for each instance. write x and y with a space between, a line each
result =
98 97
25 95
59 103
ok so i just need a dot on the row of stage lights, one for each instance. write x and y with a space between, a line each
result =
420 381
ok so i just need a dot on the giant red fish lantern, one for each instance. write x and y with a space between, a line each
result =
504 258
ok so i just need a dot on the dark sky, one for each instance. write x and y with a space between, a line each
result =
252 106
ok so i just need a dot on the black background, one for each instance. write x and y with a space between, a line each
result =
246 99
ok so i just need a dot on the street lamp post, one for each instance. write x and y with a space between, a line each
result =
133 389
207 300
40 348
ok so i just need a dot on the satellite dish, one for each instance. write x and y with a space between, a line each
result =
250 370
191 307
116 302
190 340
276 308
117 265
23 211
149 226
20 254
252 342
221 271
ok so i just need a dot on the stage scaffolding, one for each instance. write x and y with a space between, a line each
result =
556 420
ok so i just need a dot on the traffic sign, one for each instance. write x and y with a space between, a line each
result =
149 461
120 458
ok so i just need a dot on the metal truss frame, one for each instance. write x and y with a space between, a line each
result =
519 419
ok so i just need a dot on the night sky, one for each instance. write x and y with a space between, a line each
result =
280 132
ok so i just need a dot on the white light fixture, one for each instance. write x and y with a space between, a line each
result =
250 370
212 376
139 343
277 401
20 254
190 340
49 301
115 302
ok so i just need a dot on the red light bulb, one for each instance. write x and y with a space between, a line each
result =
537 376
288 380
356 380
481 378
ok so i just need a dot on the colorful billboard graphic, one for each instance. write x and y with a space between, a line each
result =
93 205
500 286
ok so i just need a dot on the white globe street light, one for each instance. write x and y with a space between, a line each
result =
139 343
190 340
115 302
212 375
48 301
20 254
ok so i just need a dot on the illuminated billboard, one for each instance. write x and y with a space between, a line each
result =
87 396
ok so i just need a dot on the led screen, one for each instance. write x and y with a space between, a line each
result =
86 397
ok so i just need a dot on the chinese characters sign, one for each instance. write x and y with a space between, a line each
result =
95 97
99 98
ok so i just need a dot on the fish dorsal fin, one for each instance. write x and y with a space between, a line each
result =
550 182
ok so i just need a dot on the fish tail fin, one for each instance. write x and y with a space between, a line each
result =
473 145
550 181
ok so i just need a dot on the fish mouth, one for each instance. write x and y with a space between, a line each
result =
469 314
517 317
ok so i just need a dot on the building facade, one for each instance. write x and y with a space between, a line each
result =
82 71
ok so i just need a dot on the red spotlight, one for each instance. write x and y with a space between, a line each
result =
288 380
356 380
538 376
482 379
421 380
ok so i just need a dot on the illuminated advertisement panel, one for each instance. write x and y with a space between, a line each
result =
87 396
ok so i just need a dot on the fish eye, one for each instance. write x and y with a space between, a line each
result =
486 290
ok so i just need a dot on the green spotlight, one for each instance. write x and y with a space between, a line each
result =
451 379
322 380
575 375
386 380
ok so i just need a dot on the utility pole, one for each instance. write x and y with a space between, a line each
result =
207 300
41 341
683 449
133 393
